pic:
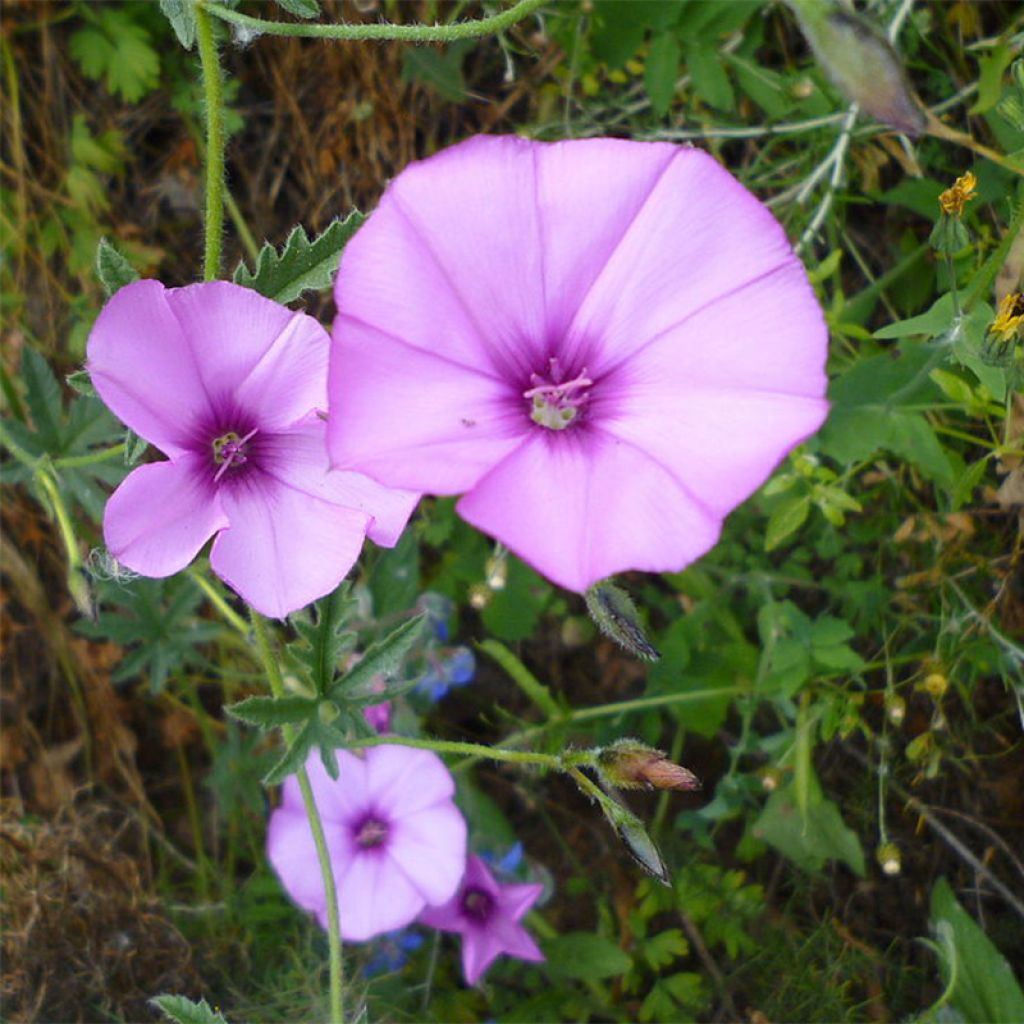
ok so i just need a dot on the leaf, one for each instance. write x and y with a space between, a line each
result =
383 658
184 1011
301 265
660 950
708 76
43 398
786 519
182 16
442 72
300 8
990 77
113 269
985 989
395 579
271 712
117 49
323 641
512 613
661 72
808 841
585 957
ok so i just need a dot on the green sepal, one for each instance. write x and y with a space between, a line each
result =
112 268
302 264
81 383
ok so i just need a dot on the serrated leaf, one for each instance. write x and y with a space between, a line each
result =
383 658
113 269
182 16
43 398
300 8
271 712
301 265
117 49
184 1011
324 640
294 756
81 383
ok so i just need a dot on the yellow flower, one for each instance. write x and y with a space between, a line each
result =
954 199
1009 318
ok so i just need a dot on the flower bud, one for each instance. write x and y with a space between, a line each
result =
895 708
888 857
861 62
770 779
496 571
630 764
616 616
480 596
936 684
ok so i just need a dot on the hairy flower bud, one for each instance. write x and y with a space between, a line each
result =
861 62
630 764
889 859
616 616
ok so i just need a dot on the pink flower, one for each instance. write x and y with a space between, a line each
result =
605 345
397 841
227 384
487 914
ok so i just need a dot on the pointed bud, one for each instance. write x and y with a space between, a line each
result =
616 616
861 62
629 764
642 849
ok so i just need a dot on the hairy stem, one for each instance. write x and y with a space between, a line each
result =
273 670
406 33
213 91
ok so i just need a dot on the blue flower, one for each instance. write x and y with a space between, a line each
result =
456 668
392 952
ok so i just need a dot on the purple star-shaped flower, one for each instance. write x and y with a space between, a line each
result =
487 915
604 345
228 385
397 841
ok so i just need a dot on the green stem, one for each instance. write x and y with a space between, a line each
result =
216 598
406 33
89 458
273 670
214 95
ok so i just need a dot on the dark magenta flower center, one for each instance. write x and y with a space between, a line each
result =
477 905
555 402
371 833
230 451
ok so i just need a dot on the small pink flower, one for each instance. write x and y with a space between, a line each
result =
228 385
487 915
397 841
604 345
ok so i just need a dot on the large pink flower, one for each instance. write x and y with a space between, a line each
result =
231 387
605 345
396 840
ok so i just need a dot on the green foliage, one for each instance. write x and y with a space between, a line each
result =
300 8
113 269
441 72
329 713
184 1011
980 984
301 265
582 956
116 48
71 438
617 617
182 16
156 624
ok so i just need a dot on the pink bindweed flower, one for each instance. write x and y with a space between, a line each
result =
397 841
228 385
604 345
487 914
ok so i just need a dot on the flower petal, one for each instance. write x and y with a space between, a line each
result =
480 948
283 549
410 418
341 801
236 333
698 237
374 896
430 848
162 514
403 780
298 458
143 367
721 445
292 853
581 505
516 900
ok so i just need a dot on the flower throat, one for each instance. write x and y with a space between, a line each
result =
554 402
